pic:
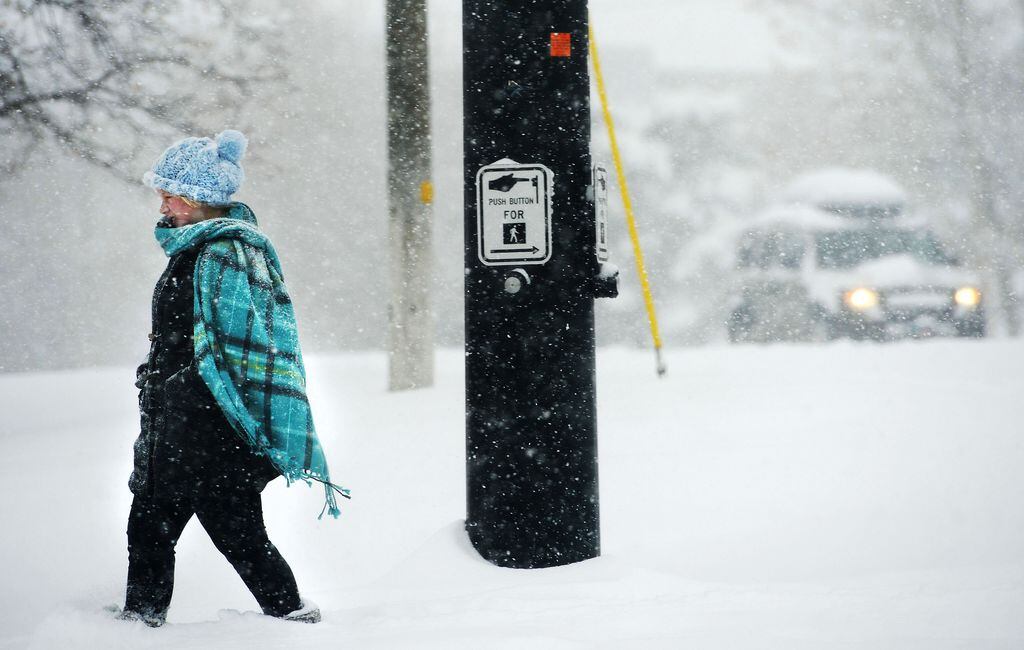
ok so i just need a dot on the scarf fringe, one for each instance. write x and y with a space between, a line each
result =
330 492
330 501
304 475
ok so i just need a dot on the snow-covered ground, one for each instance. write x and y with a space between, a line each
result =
844 496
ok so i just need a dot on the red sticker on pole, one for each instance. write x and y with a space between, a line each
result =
561 44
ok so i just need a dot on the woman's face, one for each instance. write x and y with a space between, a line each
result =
179 212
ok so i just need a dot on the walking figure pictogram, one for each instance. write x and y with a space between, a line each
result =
514 233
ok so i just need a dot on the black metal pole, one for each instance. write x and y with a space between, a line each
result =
531 269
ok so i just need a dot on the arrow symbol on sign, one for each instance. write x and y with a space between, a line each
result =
532 249
507 182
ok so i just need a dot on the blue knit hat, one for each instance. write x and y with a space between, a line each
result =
204 170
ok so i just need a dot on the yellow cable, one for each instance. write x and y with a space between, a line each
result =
652 317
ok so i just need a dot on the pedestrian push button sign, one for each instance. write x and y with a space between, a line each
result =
601 211
513 213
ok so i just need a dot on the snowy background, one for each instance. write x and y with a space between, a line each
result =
720 105
790 496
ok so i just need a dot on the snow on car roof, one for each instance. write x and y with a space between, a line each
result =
808 218
797 216
839 186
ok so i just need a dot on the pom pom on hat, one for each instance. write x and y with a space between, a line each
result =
231 145
203 169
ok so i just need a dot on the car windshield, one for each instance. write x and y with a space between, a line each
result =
771 249
848 248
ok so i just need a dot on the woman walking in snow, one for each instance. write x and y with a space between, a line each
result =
223 400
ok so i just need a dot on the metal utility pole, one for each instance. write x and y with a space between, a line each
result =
410 194
533 268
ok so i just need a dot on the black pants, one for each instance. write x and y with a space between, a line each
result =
234 523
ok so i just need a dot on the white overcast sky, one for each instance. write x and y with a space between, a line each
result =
704 34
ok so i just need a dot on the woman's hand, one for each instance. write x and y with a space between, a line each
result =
142 374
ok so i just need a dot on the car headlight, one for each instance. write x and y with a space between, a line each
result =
861 299
967 297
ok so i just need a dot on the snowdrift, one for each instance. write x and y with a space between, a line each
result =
843 496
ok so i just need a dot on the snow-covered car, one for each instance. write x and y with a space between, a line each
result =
848 263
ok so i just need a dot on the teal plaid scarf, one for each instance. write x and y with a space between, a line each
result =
247 344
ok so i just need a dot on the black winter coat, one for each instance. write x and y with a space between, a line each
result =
185 447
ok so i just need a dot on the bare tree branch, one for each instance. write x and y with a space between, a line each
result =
134 70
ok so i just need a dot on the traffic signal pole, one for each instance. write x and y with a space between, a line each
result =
533 250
